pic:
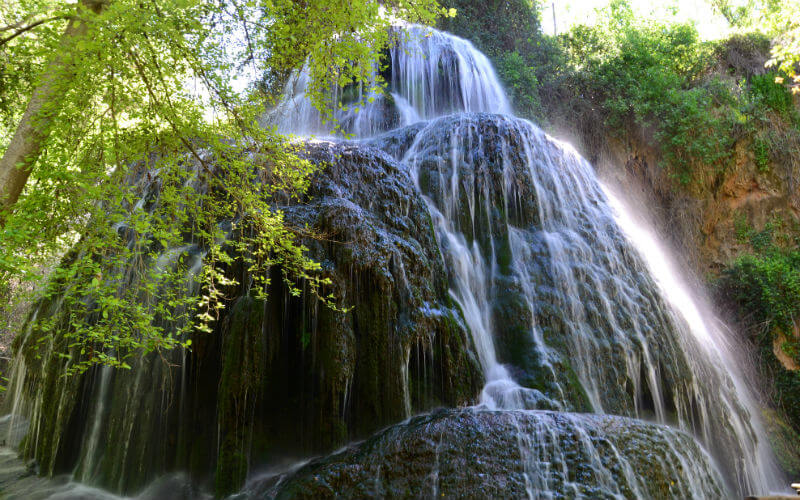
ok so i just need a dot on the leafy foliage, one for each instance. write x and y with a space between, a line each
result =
521 82
773 95
768 284
784 19
660 82
22 58
647 75
778 18
154 153
761 148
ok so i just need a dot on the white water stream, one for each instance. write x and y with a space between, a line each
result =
708 331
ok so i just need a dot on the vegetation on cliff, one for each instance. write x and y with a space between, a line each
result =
711 110
656 80
765 285
135 188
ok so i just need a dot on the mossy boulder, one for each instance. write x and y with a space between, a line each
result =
511 454
283 377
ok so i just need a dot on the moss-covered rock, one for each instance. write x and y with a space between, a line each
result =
783 439
468 453
288 376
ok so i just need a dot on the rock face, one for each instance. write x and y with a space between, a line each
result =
283 377
702 219
467 453
562 280
711 220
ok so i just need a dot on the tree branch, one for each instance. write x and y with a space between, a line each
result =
17 24
150 90
29 27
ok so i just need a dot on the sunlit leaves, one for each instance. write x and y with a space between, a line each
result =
156 180
786 50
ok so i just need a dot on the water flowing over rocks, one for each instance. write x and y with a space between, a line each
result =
431 74
558 296
508 454
480 262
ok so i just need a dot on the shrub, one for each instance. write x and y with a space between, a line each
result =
761 148
773 95
521 83
647 75
768 285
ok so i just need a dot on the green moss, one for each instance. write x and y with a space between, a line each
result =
379 355
241 380
503 254
454 347
579 397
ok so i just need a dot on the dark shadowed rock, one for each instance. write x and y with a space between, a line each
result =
282 377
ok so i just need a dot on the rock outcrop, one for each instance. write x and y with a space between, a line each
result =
474 453
288 376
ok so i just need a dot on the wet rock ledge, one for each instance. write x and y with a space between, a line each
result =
490 454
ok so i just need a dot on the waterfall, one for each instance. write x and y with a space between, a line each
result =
432 74
455 229
709 332
524 225
516 211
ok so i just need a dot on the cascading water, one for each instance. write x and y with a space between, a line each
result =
515 210
432 74
708 332
566 311
526 227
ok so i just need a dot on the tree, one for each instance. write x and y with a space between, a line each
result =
785 21
736 14
130 88
781 19
26 143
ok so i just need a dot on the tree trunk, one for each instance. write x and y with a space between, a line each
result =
32 131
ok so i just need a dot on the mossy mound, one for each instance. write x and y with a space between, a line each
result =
474 453
276 378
